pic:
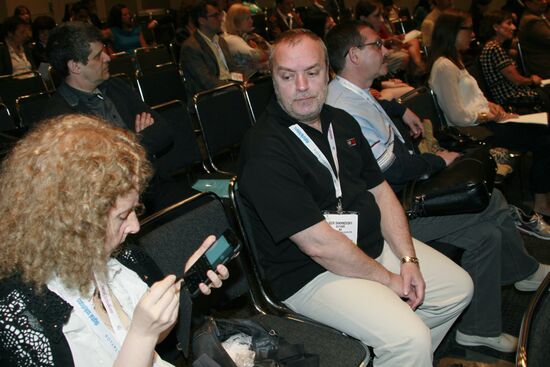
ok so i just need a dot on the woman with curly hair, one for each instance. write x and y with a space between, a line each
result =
70 191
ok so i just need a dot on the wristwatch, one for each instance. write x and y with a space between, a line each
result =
410 259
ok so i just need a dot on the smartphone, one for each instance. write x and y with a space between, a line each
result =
226 248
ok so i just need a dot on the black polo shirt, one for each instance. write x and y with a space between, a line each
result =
285 189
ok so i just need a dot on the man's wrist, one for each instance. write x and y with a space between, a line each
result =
410 259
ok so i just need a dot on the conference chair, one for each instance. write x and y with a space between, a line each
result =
258 94
148 58
14 86
162 83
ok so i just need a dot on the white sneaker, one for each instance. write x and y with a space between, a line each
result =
531 283
505 343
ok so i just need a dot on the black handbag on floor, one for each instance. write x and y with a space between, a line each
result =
465 186
271 350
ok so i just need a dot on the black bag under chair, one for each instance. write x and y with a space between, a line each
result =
270 349
465 186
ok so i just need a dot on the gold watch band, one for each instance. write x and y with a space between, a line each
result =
410 259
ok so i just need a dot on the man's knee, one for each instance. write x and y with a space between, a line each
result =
410 344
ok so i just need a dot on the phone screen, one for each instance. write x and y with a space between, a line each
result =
219 252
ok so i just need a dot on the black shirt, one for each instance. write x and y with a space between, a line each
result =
285 189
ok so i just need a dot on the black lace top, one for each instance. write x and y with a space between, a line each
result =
31 322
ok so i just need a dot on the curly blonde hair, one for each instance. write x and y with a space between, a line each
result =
58 185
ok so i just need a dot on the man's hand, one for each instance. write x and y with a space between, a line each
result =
413 284
393 83
447 156
215 277
143 121
414 123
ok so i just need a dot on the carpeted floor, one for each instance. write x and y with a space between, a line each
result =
514 304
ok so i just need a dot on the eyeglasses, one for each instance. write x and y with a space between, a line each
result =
378 43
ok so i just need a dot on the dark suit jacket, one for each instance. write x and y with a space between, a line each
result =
6 67
534 37
156 138
200 66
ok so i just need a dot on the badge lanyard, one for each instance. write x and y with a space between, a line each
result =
353 88
313 148
87 313
119 330
85 310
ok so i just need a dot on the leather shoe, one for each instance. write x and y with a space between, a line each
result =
505 343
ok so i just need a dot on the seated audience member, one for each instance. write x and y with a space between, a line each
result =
77 55
534 37
283 18
421 10
464 104
319 22
494 253
125 35
304 159
507 86
70 193
400 53
41 28
428 24
15 56
22 12
249 50
205 57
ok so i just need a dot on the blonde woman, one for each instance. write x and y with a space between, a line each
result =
249 50
70 191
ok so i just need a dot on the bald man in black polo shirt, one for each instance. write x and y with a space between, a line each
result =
332 237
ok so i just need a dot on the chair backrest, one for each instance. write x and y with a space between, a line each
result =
185 152
122 63
524 70
258 95
260 293
171 235
14 86
6 121
147 58
125 78
423 102
475 70
534 334
224 117
162 84
30 108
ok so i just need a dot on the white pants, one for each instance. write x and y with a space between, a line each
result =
374 314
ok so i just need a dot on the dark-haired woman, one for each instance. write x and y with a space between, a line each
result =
464 104
507 86
125 35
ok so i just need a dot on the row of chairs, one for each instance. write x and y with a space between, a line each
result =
220 118
171 235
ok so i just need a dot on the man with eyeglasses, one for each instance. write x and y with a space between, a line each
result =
205 58
494 253
331 236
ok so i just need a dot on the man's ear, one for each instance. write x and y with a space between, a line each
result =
73 66
201 20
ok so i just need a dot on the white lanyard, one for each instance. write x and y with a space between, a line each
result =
369 98
87 313
118 328
306 140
